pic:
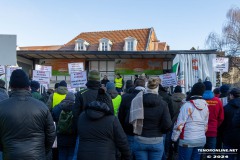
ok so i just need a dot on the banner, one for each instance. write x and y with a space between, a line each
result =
169 79
192 67
139 66
44 68
43 77
220 64
2 70
75 67
60 66
78 79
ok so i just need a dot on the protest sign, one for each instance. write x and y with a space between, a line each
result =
220 64
44 68
169 79
78 79
75 67
43 77
2 70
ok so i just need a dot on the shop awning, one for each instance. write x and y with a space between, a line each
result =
107 55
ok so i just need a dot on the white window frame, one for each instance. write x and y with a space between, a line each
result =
132 42
105 44
81 45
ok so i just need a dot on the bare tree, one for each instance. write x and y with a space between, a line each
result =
229 39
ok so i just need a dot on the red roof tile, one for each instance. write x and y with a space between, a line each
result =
42 48
116 37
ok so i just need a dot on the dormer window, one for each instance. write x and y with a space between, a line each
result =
130 44
81 45
105 44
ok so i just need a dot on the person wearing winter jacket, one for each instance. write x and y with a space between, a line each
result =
224 89
230 126
26 125
124 111
191 124
150 118
59 94
116 98
35 85
100 132
216 115
65 141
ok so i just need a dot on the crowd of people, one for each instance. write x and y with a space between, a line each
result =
107 121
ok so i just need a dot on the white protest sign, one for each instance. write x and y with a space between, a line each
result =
43 77
169 79
44 68
8 51
2 69
9 71
75 67
220 64
78 79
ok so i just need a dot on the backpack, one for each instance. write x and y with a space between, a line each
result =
65 123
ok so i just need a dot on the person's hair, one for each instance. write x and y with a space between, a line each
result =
139 82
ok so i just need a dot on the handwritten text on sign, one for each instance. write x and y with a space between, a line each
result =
75 67
169 79
43 77
44 68
220 64
78 79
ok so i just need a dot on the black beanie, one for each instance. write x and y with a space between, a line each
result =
208 85
224 88
63 84
235 92
19 79
178 89
198 89
35 85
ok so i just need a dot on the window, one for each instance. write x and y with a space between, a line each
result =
130 44
81 45
104 44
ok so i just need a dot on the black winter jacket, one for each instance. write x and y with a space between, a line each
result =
100 134
229 128
157 119
83 98
62 139
124 111
26 127
167 99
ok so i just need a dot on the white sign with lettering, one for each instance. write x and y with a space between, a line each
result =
220 64
75 67
78 79
43 77
169 79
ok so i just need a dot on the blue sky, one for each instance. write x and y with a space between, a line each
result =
181 23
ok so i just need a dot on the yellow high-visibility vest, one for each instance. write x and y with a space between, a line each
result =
116 104
118 82
57 98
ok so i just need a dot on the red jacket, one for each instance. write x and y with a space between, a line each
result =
216 113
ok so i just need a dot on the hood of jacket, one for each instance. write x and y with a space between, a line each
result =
199 103
93 84
62 90
208 95
97 110
178 97
235 102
